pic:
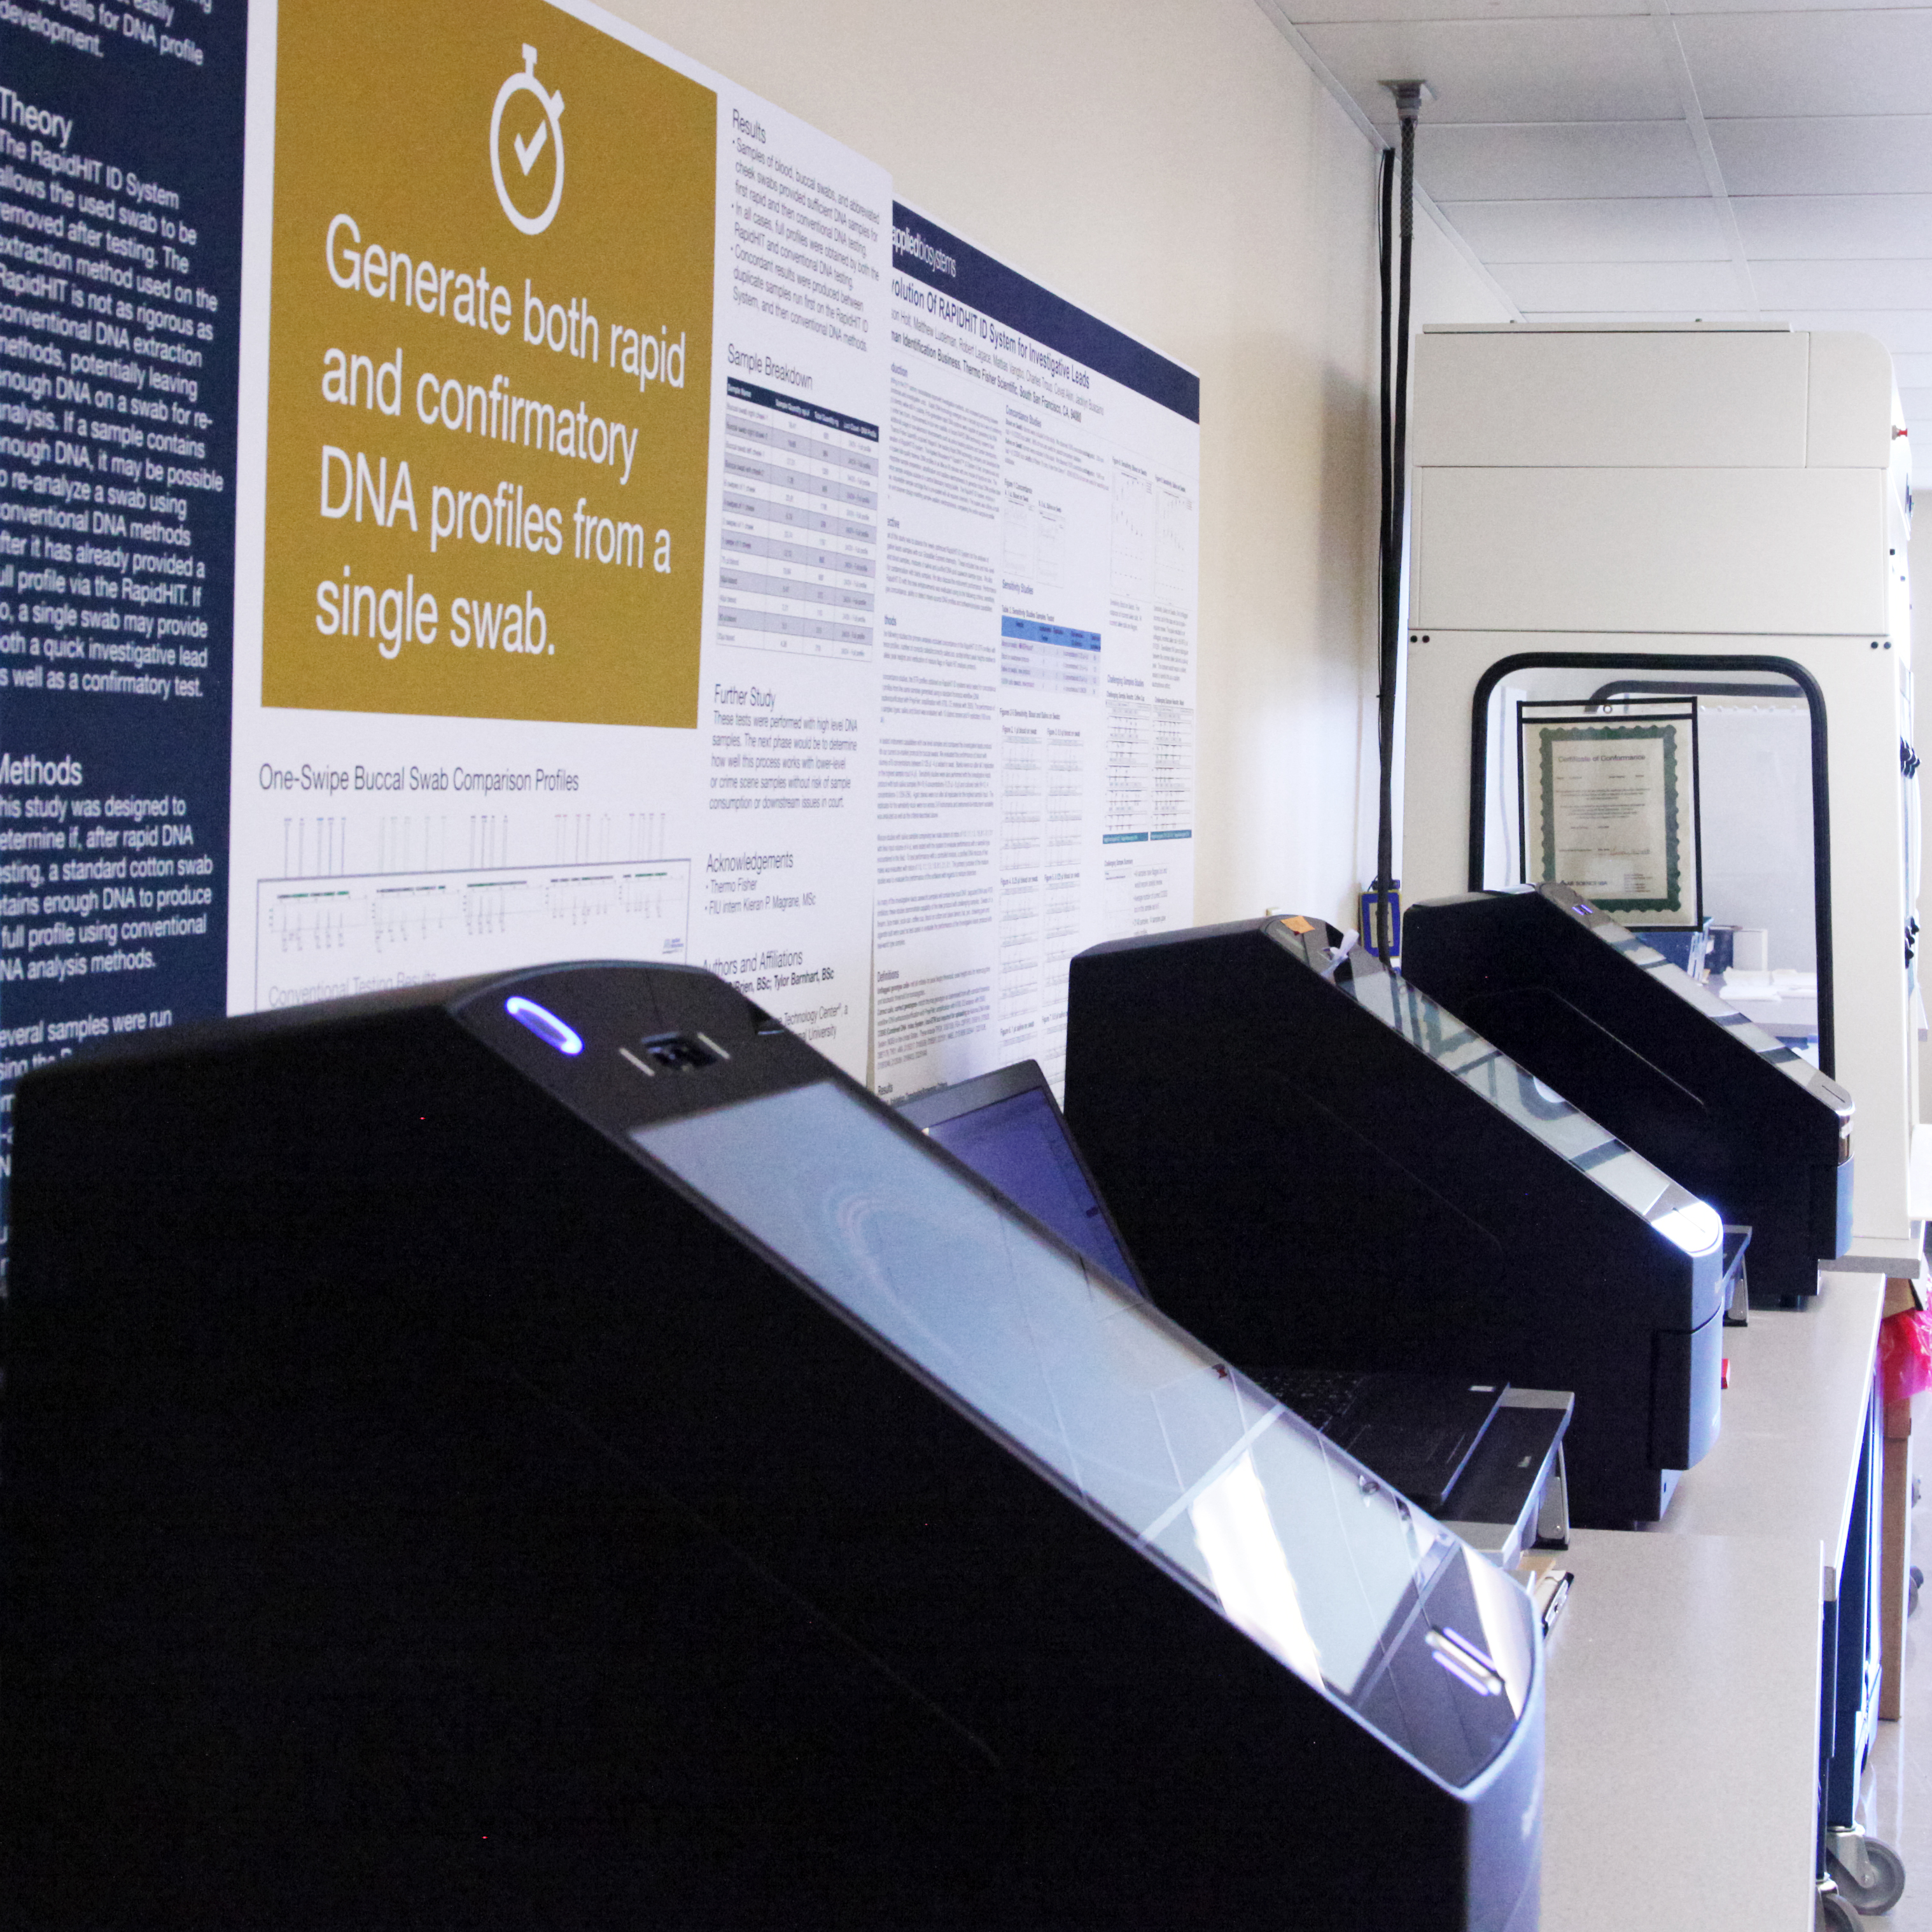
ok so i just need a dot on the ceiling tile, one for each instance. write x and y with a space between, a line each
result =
1813 63
1863 285
1683 7
1603 288
1904 331
1677 230
1308 13
1562 160
1835 227
1834 155
1600 69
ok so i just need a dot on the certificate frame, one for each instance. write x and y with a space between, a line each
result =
1608 804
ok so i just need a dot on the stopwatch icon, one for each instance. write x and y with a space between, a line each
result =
528 148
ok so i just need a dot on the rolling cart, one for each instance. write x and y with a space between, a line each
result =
1853 1869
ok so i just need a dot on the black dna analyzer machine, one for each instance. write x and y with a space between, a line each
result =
1316 1165
1736 1115
555 1450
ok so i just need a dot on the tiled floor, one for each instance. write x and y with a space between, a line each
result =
1898 1775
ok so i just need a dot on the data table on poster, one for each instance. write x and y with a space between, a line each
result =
1049 657
800 526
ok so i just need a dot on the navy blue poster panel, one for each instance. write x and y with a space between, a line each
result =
120 278
957 271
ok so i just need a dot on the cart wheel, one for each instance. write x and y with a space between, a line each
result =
1887 1886
1835 1916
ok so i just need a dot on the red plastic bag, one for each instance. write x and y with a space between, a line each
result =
1905 1353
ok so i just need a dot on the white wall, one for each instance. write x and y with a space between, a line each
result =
1918 562
1173 167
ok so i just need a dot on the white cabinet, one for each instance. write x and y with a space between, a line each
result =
1725 509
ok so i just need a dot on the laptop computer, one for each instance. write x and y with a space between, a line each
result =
1007 1127
1416 1432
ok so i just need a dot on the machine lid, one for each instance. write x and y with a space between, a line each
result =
1620 939
1286 1535
1687 1222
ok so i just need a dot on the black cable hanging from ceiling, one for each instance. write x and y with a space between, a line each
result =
1385 251
1397 250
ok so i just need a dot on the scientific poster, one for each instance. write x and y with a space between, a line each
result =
478 489
1037 761
487 715
120 141
800 443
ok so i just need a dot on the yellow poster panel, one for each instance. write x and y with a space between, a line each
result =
489 366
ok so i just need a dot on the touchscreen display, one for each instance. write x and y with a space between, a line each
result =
1160 1438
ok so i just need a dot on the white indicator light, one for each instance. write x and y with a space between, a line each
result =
1695 1226
544 1024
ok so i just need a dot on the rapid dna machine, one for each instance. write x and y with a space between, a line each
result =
1317 1165
1745 1121
555 1450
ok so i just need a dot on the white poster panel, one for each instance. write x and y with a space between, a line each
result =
789 702
1037 786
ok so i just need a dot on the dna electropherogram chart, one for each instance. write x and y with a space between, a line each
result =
327 938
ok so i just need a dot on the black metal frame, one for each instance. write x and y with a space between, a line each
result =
1661 661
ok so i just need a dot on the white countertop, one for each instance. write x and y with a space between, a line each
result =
1681 1761
1680 1764
1786 1016
1785 1460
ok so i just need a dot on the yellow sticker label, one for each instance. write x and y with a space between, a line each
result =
1298 925
489 351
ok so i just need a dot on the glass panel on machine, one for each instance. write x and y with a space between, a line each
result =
1179 1453
1540 1111
1696 993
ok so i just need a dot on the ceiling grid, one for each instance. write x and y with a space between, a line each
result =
1667 160
1666 25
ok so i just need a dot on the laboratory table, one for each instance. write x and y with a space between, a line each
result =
1683 1677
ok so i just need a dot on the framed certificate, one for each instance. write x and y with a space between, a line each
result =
1608 805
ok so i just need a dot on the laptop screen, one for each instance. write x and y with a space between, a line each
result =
1019 1142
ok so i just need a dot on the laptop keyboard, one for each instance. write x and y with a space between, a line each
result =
1318 1395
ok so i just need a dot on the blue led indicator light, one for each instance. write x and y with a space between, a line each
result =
544 1024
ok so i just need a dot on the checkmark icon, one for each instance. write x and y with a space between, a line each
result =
528 146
